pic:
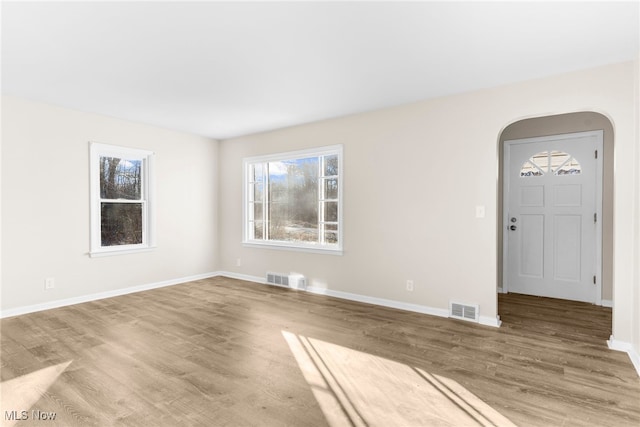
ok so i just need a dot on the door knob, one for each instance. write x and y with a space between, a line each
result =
512 228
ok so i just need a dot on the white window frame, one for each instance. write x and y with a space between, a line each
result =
98 150
320 247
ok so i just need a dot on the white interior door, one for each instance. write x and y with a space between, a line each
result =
552 200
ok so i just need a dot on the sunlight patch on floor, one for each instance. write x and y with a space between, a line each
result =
22 393
360 389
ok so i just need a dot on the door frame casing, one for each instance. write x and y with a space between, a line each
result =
598 200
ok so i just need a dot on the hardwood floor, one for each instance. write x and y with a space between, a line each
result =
223 352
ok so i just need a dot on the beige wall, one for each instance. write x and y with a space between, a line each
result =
413 176
45 204
568 123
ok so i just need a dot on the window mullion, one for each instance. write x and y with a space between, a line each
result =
145 225
250 201
143 190
321 165
266 207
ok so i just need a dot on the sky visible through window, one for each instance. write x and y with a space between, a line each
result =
295 200
121 180
293 195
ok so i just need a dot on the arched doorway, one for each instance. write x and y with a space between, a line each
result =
563 124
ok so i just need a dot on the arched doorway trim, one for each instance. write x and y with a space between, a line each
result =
546 125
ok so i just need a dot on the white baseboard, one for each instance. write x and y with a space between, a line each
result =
248 278
606 303
440 312
380 301
490 321
627 348
100 295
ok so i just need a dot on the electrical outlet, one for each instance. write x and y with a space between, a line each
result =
49 283
410 285
238 262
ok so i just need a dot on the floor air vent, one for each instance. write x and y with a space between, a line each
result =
464 311
278 279
294 281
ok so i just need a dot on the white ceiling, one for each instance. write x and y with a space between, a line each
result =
227 69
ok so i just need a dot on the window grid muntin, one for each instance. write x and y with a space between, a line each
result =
554 162
321 243
323 200
258 176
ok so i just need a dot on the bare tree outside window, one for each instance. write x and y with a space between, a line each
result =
120 178
293 195
294 200
122 200
120 221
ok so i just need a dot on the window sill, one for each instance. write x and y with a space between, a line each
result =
114 252
285 247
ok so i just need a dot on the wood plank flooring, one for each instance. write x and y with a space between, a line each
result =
223 352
